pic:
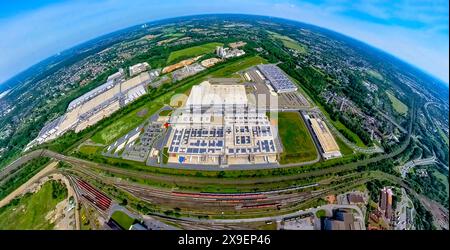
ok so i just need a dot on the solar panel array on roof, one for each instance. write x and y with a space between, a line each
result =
197 141
279 81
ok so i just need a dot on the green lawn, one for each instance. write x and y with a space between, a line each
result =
192 51
337 124
289 42
398 105
238 65
443 135
298 145
29 211
122 219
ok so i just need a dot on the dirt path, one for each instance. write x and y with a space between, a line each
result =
50 167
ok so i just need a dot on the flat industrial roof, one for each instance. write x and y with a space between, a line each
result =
277 78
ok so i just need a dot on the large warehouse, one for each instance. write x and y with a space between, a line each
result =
218 127
277 79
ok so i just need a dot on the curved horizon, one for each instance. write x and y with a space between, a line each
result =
79 41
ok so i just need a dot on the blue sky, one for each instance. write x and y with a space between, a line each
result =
415 31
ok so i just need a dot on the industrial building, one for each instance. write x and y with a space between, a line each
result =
328 145
276 78
138 68
226 53
217 126
96 104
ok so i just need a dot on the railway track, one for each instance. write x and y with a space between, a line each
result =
220 204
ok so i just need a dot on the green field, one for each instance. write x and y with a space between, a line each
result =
289 42
298 145
398 105
239 65
29 211
165 155
192 51
122 219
